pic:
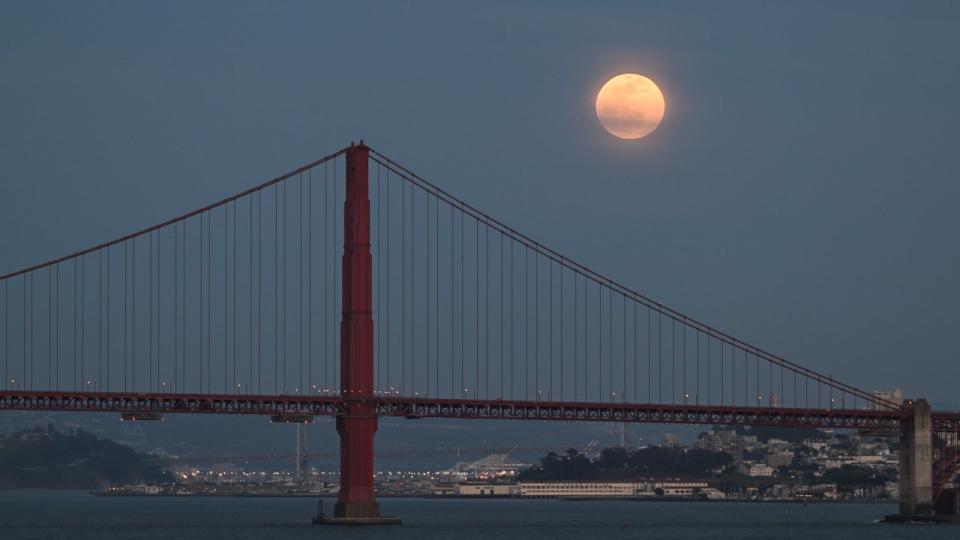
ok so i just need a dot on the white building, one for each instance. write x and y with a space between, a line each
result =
757 469
599 490
476 489
680 489
580 489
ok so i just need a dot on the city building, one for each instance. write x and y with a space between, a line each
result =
756 469
599 490
721 440
483 489
580 489
779 459
670 440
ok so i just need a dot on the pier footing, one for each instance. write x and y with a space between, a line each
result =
355 514
357 521
922 518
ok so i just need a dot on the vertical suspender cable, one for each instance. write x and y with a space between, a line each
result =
576 328
403 287
6 332
150 315
276 290
476 381
463 314
486 290
636 357
612 394
100 318
536 323
413 290
83 318
326 266
386 301
310 273
300 284
512 309
176 306
226 282
283 293
659 356
209 289
50 326
234 315
24 380
453 302
379 314
502 317
125 319
550 262
200 318
250 300
427 289
526 324
259 380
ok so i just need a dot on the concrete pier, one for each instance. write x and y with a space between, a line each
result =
916 460
916 464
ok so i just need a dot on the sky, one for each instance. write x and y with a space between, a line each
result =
801 192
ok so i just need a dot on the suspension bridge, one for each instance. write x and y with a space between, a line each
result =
354 288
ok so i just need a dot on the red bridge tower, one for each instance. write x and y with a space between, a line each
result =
357 424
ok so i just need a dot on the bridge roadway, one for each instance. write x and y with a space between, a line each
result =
500 409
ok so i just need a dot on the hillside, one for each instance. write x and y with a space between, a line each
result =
47 458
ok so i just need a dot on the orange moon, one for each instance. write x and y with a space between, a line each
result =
630 106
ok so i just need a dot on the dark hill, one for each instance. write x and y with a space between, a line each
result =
46 458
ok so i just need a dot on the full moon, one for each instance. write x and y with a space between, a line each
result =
630 106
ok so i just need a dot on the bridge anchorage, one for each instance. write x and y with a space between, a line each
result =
444 312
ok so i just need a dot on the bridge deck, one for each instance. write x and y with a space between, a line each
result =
421 407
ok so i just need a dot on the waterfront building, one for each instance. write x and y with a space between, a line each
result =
599 490
581 489
484 489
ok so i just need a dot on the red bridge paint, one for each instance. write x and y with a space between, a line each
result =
358 422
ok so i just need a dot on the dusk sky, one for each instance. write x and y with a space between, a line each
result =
801 192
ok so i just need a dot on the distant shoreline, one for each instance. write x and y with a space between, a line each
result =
492 497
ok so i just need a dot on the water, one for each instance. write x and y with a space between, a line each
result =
78 516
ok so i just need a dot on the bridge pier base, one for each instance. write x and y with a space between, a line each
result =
916 464
947 507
